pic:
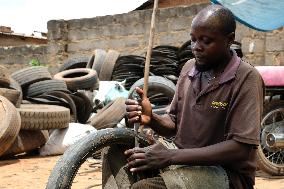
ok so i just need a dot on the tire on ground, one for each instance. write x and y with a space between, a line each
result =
110 115
4 77
42 117
72 63
262 161
41 87
68 165
27 141
38 73
79 78
10 124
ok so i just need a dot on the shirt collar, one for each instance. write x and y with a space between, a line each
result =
229 72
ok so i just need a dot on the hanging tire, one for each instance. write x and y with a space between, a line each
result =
4 77
27 141
41 87
79 78
10 124
107 67
31 75
103 120
72 63
43 117
68 165
271 159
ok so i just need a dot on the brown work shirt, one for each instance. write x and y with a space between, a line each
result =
229 108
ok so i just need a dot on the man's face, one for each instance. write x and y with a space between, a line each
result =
208 45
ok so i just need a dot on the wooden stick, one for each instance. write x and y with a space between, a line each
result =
149 50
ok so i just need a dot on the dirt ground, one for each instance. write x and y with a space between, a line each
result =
33 172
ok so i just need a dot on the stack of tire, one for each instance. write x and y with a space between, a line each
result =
23 126
84 74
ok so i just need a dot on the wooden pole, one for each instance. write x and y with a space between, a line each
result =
149 50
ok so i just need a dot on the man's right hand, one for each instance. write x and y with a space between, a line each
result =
139 111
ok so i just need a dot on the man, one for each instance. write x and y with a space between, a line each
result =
215 115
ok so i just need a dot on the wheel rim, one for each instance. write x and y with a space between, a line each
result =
272 122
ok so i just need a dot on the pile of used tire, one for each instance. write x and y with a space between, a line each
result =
23 126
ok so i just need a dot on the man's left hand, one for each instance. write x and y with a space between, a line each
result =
155 156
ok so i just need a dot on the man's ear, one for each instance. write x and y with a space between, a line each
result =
231 38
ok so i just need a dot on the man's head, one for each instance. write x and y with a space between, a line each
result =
212 33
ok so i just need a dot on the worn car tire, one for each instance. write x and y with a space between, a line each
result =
10 124
79 78
41 87
72 63
16 86
264 163
27 141
68 165
100 58
38 73
107 67
156 83
42 117
11 94
109 115
4 77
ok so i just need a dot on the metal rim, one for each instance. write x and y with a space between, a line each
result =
274 157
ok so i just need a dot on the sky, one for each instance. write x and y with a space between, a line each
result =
27 16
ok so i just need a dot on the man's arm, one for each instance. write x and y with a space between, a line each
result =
157 156
222 153
142 113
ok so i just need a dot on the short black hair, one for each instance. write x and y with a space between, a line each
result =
221 16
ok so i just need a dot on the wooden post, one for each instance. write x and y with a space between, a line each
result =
149 50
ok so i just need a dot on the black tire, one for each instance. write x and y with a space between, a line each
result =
79 78
79 62
83 106
67 166
267 156
156 85
43 117
31 75
10 124
116 109
41 87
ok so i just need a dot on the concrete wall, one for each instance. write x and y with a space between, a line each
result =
15 58
18 40
128 33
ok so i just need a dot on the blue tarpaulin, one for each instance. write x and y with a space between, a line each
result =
263 15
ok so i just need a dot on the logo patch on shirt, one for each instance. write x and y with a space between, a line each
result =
217 105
